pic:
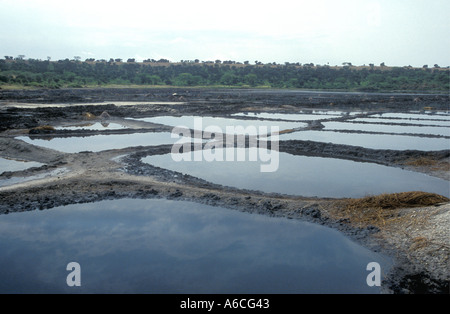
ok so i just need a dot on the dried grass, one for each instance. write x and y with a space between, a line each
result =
397 200
432 164
286 131
89 116
422 161
44 128
381 209
418 243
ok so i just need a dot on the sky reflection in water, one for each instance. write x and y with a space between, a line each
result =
304 175
162 246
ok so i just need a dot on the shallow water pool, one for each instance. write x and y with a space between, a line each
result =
374 141
18 180
97 126
96 143
302 175
414 116
12 165
290 117
443 123
162 246
16 165
202 123
369 127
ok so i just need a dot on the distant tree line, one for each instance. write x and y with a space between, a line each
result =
77 74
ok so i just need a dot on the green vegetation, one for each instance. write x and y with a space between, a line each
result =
31 73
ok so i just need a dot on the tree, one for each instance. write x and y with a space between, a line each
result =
77 58
382 64
251 79
187 79
229 79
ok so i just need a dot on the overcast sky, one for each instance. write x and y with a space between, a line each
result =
397 32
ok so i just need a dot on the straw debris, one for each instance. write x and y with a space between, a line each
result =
382 209
418 243
89 116
398 200
286 131
430 163
422 161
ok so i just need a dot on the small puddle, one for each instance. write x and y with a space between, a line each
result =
162 246
303 175
17 165
374 141
17 180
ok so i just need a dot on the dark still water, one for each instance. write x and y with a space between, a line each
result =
162 246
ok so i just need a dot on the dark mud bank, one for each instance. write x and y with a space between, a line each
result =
206 101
